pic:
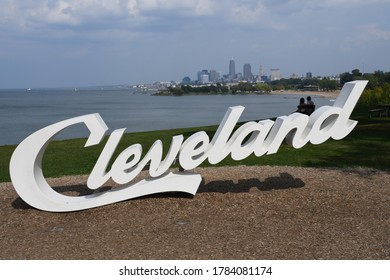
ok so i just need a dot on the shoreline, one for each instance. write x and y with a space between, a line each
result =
327 94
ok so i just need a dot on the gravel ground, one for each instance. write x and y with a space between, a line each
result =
240 212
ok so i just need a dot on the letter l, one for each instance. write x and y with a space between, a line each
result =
98 175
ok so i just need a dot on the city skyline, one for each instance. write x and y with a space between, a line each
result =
59 43
206 76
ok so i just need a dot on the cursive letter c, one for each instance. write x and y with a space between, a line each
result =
26 163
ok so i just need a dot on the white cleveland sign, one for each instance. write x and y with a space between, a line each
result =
259 138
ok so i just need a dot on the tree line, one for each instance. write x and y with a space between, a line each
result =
376 92
323 84
240 88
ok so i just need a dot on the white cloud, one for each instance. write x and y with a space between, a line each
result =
203 8
338 4
95 30
262 15
352 2
73 12
97 14
247 13
125 14
368 34
61 12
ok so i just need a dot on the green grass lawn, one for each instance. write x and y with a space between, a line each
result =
367 146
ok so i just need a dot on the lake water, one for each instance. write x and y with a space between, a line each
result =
22 112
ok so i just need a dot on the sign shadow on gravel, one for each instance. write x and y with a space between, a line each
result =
283 181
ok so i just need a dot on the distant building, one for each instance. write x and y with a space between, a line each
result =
309 75
311 88
186 80
203 77
248 72
232 69
215 76
275 74
264 78
261 71
294 76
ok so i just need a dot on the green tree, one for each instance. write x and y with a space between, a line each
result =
263 87
356 73
328 85
345 78
377 90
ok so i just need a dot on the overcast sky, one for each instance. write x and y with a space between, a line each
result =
49 43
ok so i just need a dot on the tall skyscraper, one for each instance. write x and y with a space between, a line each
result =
203 77
232 68
214 76
275 74
248 72
261 71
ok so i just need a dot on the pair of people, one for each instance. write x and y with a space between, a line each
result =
306 108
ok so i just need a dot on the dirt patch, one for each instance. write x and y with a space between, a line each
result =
238 213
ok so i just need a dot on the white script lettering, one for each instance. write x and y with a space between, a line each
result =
258 138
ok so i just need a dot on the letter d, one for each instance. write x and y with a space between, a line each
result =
333 121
